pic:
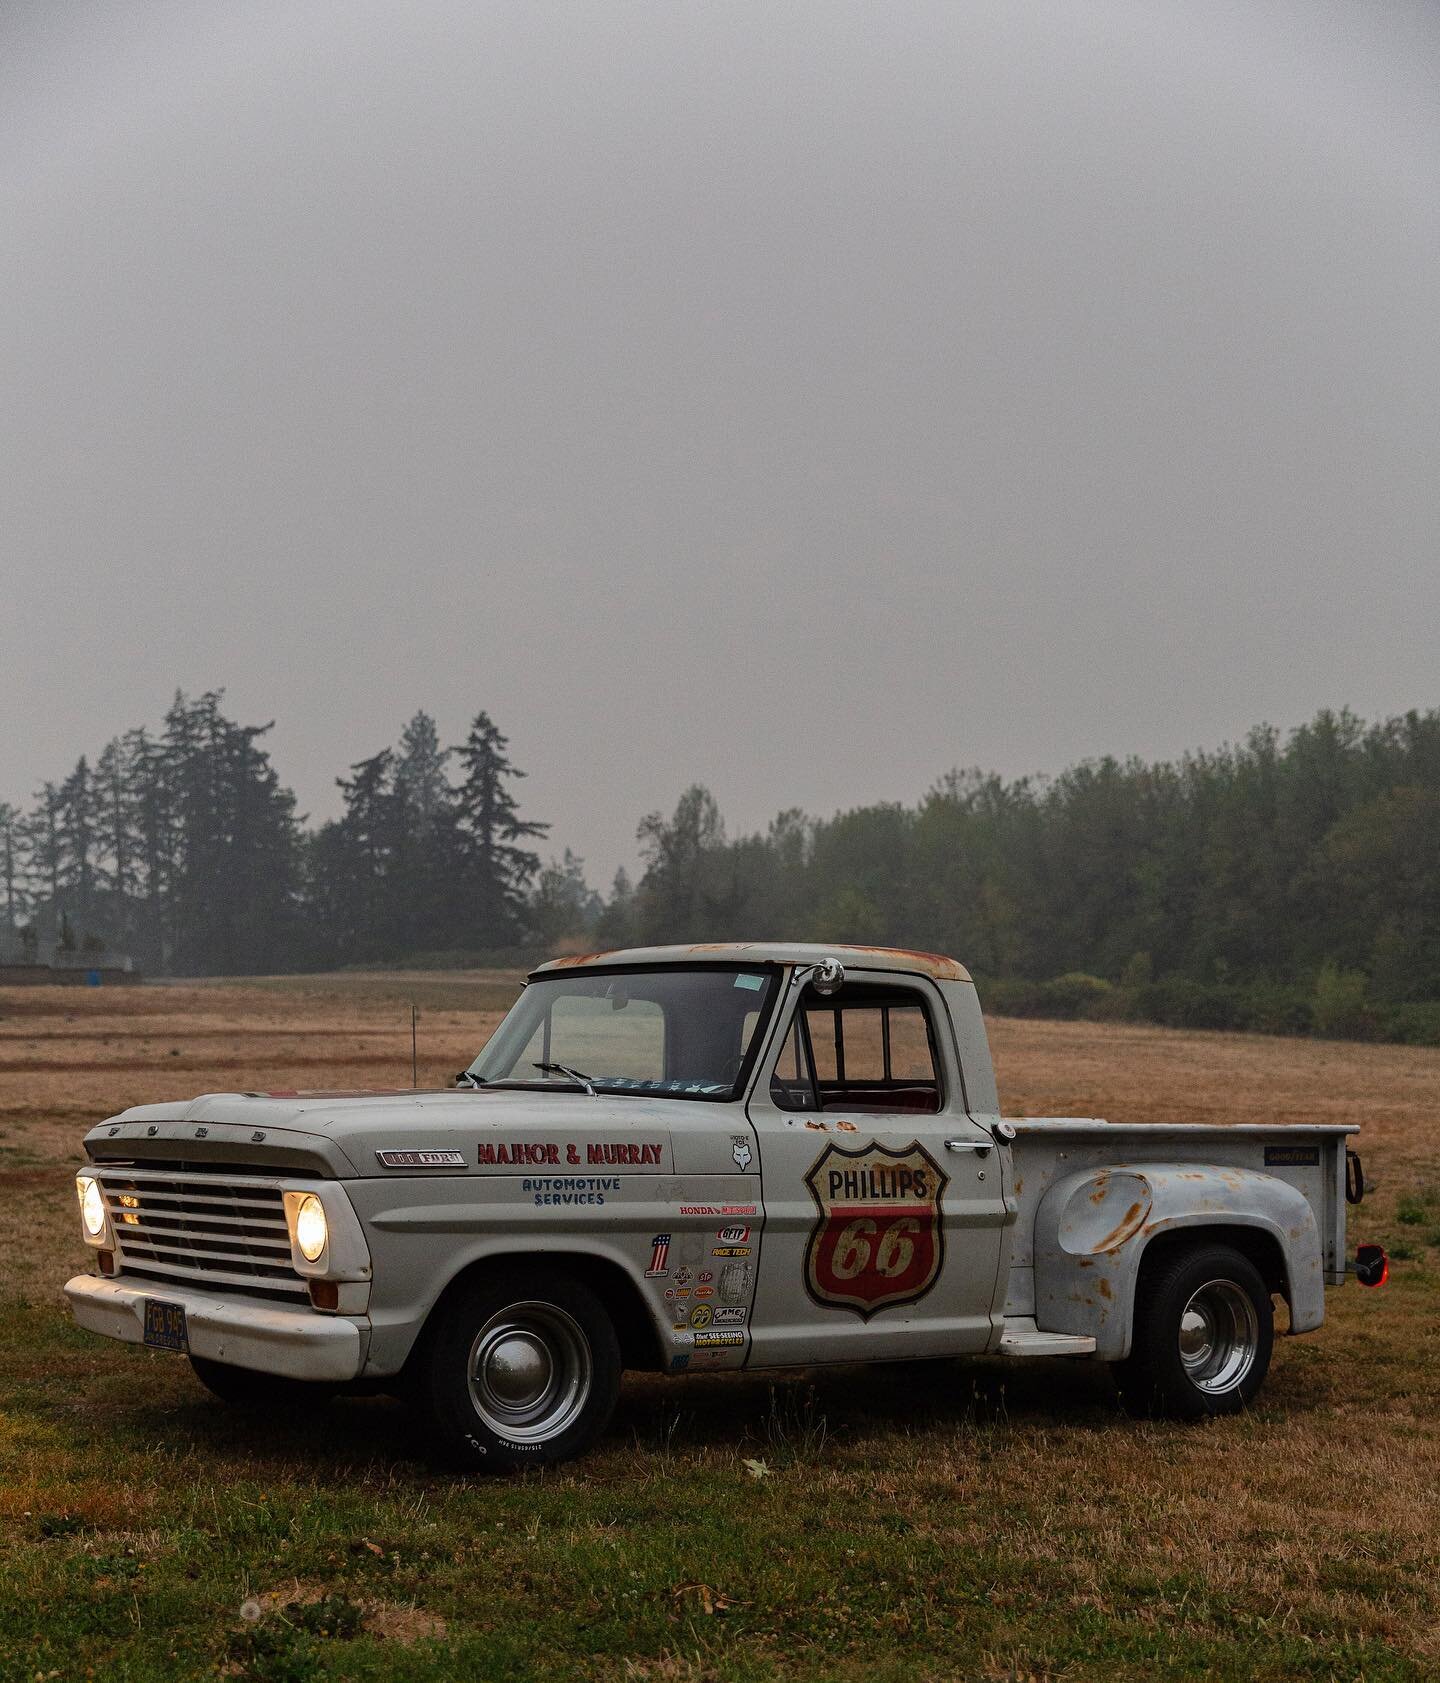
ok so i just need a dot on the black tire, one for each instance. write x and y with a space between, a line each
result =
521 1369
1203 1335
243 1387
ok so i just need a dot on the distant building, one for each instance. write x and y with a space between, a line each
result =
47 963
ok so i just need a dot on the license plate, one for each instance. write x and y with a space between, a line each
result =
165 1325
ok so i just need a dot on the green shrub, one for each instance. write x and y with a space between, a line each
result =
1410 1211
1014 997
1178 1002
1412 1025
1339 1005
1274 1008
1336 1007
1073 995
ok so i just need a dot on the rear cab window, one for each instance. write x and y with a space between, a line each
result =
870 1048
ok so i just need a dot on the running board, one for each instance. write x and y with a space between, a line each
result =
1021 1337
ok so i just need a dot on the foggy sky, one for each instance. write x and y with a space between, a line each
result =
799 398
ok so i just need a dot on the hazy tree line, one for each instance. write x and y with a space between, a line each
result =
182 848
1288 881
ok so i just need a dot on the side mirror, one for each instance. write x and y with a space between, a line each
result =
829 976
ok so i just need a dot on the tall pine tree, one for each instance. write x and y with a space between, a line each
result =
494 871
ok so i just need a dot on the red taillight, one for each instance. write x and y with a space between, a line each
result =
1372 1266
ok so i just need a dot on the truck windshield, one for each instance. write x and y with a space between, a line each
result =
667 1032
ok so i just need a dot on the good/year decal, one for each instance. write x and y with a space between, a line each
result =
878 1240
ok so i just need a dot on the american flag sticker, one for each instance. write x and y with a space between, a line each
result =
659 1257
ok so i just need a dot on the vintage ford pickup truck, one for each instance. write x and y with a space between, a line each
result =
682 1159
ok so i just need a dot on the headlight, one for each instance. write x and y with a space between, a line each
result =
312 1232
92 1205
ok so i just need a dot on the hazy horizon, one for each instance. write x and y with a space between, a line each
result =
799 400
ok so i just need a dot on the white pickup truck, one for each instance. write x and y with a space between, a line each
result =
678 1159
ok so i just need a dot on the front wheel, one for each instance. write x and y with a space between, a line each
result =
523 1369
1204 1331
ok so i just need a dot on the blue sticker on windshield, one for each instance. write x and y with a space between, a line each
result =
754 983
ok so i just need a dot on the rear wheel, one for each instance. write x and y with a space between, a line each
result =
1203 1335
523 1369
243 1387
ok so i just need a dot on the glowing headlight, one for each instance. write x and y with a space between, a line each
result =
312 1232
92 1205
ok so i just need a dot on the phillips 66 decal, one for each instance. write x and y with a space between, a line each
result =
878 1239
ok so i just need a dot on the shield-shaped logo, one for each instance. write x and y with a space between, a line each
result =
879 1239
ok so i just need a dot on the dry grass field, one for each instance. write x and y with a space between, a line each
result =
979 1520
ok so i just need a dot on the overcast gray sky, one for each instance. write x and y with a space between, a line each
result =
800 398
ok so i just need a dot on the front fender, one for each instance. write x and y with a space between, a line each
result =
1092 1229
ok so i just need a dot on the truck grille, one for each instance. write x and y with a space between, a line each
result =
224 1231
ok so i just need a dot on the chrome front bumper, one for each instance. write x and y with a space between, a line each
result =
297 1343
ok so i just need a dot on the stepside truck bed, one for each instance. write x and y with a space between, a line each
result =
1091 1196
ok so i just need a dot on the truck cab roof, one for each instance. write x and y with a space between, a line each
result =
935 965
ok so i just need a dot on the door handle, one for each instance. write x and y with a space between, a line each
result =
981 1148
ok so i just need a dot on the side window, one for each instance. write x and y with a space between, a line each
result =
791 1086
869 1049
911 1058
821 1024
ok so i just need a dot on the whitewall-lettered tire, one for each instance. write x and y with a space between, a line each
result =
522 1369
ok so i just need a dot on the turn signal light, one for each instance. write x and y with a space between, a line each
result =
324 1294
106 1259
1372 1266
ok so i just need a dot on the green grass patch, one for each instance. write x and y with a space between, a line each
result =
935 1520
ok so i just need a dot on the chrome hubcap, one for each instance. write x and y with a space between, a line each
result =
1219 1336
529 1371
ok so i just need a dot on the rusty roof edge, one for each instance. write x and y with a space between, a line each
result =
907 959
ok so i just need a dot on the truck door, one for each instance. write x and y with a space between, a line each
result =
883 1206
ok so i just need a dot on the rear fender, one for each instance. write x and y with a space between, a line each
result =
1093 1227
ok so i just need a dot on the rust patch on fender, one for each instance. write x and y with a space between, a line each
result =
1104 1289
1123 1229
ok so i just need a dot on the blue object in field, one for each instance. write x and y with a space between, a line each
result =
92 978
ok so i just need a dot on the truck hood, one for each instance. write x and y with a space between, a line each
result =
494 1131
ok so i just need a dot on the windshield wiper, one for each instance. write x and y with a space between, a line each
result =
470 1076
585 1081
